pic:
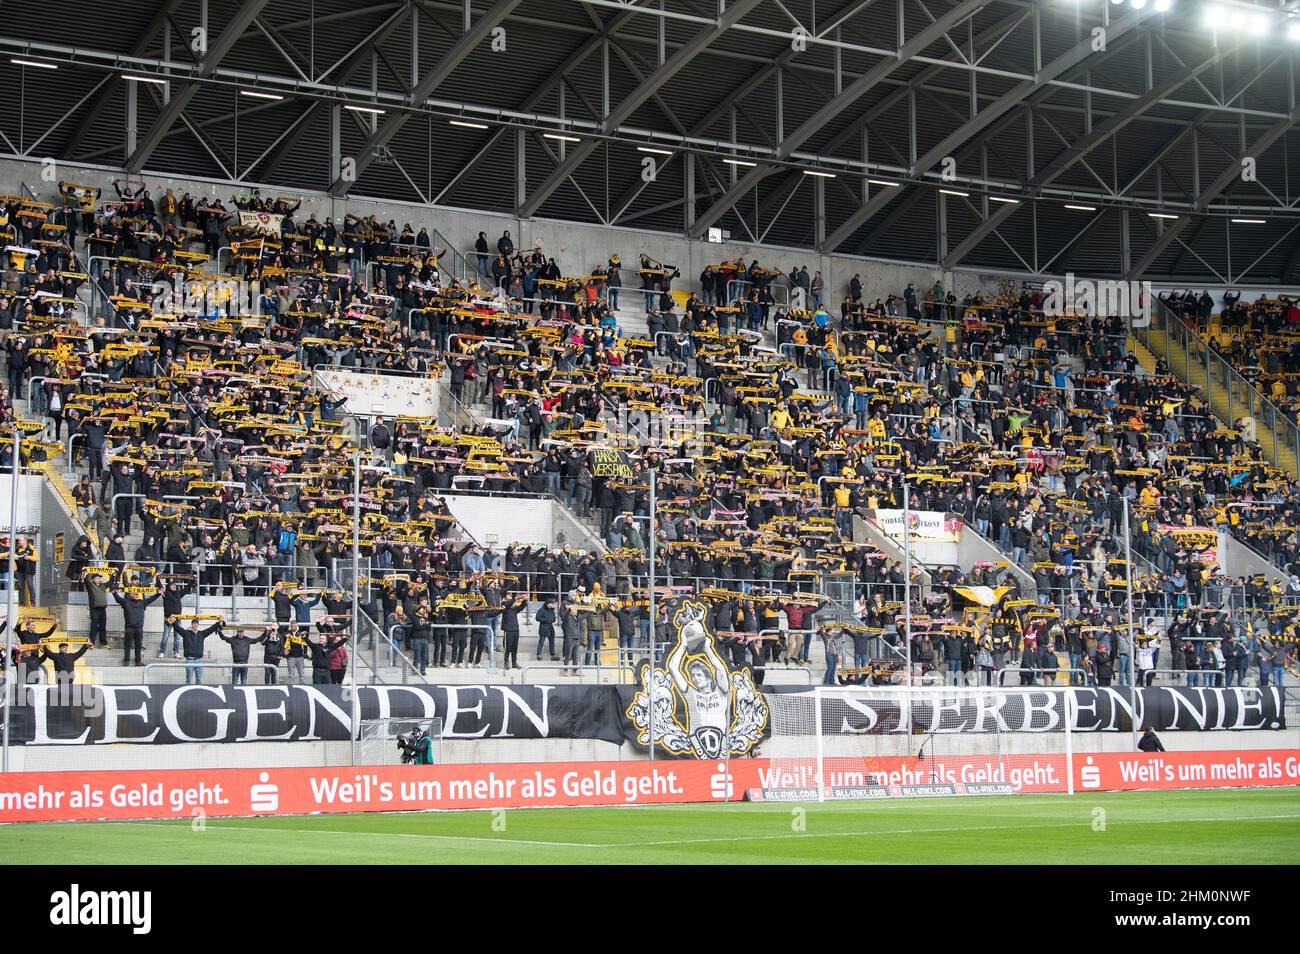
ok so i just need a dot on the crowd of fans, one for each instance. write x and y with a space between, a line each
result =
191 406
1259 338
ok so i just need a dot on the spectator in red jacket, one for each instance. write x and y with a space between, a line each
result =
798 619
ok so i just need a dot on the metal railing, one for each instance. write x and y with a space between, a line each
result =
462 267
625 675
778 287
1207 678
572 525
197 666
210 593
82 319
1201 366
372 639
1037 674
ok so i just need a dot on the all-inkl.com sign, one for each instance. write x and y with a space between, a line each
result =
1099 298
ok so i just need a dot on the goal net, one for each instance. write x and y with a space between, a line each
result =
386 741
877 742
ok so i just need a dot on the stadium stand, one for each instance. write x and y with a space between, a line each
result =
211 466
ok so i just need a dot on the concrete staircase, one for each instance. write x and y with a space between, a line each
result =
1228 401
1146 360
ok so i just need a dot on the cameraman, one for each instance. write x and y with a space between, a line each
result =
417 748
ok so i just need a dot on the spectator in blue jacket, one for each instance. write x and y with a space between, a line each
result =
473 560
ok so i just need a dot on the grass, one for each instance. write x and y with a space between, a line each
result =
1259 826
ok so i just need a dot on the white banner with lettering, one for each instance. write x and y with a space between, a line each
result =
265 222
932 525
29 505
369 393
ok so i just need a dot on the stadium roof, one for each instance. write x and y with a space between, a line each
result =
548 108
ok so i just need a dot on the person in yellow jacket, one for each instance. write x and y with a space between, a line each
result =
780 419
843 496
876 427
843 513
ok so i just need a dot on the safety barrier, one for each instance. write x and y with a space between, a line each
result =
196 666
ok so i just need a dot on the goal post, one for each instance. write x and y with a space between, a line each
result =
386 741
849 742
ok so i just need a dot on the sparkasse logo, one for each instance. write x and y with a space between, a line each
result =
1089 774
265 796
97 908
722 783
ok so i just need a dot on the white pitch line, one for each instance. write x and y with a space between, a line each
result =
917 831
375 834
702 841
959 804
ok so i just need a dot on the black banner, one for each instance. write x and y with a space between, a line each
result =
1111 709
177 714
161 715
611 463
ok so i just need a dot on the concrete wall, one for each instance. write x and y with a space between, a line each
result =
1029 743
529 521
576 246
28 523
1248 292
388 395
928 551
55 519
29 504
1237 559
62 758
123 757
972 549
862 530
500 521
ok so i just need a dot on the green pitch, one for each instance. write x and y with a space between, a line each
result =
1248 826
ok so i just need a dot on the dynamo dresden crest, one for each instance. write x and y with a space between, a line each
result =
703 708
